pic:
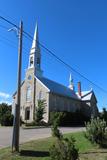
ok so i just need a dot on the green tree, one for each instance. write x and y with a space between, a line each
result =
57 116
96 131
104 114
63 148
6 117
40 110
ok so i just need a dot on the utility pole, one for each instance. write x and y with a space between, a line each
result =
34 95
16 125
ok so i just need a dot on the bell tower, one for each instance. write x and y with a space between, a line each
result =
35 55
34 69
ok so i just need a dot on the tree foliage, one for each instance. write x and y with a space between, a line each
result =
70 118
96 131
40 110
55 122
103 115
63 148
6 117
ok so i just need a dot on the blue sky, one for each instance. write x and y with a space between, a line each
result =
74 30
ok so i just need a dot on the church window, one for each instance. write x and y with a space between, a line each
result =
31 61
27 113
28 94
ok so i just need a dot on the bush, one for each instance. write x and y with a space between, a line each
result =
63 148
96 131
103 115
70 118
6 118
55 122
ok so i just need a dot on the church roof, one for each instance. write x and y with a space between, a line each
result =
86 95
57 88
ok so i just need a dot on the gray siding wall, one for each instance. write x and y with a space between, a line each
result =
61 103
89 108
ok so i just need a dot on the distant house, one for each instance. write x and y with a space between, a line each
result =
58 97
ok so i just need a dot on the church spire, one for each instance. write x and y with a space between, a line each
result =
35 42
35 54
71 84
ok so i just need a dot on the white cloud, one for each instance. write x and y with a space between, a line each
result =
4 95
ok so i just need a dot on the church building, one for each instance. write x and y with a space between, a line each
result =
57 96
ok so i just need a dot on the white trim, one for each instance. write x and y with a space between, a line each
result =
42 84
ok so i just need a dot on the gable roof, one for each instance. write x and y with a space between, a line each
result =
86 95
57 88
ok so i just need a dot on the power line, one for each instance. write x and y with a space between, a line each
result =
67 65
10 42
5 38
55 56
2 12
9 22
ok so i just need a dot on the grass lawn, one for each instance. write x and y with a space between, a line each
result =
39 150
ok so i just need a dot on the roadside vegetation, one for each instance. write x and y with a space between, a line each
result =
6 117
39 149
96 131
88 145
82 145
63 148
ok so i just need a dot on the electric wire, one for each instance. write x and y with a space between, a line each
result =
55 56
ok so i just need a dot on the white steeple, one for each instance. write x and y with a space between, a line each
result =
35 42
35 54
71 84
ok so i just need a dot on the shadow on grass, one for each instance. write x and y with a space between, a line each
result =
31 153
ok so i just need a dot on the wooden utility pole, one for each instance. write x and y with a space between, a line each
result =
16 126
34 92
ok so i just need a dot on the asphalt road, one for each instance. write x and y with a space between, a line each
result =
30 134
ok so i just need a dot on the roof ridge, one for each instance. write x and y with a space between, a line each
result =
56 82
87 93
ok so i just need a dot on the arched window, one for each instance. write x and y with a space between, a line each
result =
28 94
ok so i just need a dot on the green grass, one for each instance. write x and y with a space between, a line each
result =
39 150
81 142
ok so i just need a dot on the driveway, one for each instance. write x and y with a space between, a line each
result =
30 134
